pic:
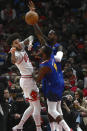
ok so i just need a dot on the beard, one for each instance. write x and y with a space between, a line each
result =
51 42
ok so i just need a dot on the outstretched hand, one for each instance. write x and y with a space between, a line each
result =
31 6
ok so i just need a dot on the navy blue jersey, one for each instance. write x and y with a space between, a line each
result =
52 83
55 48
54 51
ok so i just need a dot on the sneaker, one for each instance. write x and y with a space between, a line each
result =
16 128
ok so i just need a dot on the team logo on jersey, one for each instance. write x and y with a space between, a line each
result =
55 66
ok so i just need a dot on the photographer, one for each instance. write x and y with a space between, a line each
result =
17 109
70 111
81 106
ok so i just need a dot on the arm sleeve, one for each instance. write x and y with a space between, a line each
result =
58 57
22 44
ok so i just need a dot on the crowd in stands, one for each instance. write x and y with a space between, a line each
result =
69 19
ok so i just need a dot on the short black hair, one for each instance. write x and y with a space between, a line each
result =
13 37
47 50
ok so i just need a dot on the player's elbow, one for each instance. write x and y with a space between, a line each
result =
58 57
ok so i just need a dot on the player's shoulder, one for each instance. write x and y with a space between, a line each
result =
57 45
46 63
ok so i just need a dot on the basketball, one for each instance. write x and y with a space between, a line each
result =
31 17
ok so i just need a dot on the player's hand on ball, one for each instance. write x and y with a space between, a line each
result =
31 6
31 17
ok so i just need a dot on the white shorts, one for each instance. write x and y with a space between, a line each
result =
28 85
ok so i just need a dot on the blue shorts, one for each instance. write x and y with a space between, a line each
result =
54 97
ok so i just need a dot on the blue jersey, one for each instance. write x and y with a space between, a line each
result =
54 51
52 84
55 48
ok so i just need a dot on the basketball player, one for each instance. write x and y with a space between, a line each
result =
20 58
51 85
57 53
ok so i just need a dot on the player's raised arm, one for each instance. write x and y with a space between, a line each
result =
29 42
37 29
39 34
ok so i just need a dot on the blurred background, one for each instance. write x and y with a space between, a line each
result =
69 19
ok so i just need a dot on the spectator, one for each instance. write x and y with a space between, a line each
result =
17 110
70 23
85 77
69 110
8 14
72 78
7 96
3 109
3 56
83 103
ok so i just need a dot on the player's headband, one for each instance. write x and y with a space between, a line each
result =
52 31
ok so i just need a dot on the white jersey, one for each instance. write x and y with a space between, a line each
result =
23 63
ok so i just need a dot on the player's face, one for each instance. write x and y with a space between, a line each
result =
17 45
6 94
43 56
76 95
51 36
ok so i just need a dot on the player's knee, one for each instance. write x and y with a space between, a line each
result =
59 118
36 116
36 111
31 107
51 112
